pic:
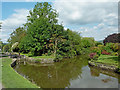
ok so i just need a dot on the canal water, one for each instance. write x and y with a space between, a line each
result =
70 73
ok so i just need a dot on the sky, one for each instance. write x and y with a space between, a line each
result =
91 18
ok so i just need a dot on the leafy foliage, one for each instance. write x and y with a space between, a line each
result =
46 37
7 48
114 38
88 42
96 50
104 52
16 36
97 43
42 35
93 56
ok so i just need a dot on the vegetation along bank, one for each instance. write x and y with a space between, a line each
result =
107 56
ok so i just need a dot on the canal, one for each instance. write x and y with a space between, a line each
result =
69 73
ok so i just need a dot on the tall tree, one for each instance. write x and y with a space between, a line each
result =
17 35
113 38
88 42
41 25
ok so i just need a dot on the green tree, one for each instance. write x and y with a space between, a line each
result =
88 42
75 42
17 35
44 36
97 43
7 48
41 25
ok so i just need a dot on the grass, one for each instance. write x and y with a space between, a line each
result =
11 79
108 59
22 53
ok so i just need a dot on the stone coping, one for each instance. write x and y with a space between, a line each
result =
104 66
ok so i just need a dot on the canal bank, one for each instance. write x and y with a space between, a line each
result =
106 62
11 79
104 66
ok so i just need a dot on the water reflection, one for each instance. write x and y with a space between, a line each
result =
73 73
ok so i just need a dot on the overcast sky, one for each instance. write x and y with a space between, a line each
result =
93 18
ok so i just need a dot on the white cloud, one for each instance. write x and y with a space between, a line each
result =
76 12
14 21
102 30
99 34
97 18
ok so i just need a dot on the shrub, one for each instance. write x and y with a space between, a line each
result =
114 54
115 47
96 50
104 52
96 57
49 53
6 48
92 55
30 54
109 45
100 47
59 57
107 49
97 43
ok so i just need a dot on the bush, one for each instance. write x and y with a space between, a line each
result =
97 43
96 50
115 47
30 54
92 55
107 49
100 47
109 45
6 48
59 57
114 54
49 53
104 52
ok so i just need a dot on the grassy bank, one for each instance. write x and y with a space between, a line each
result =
108 60
11 79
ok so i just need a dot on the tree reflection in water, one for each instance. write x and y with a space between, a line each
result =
54 76
67 73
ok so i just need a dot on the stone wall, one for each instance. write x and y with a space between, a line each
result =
40 60
104 66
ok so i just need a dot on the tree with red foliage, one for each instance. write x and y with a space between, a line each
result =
114 38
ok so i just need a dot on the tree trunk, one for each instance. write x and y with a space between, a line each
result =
55 49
